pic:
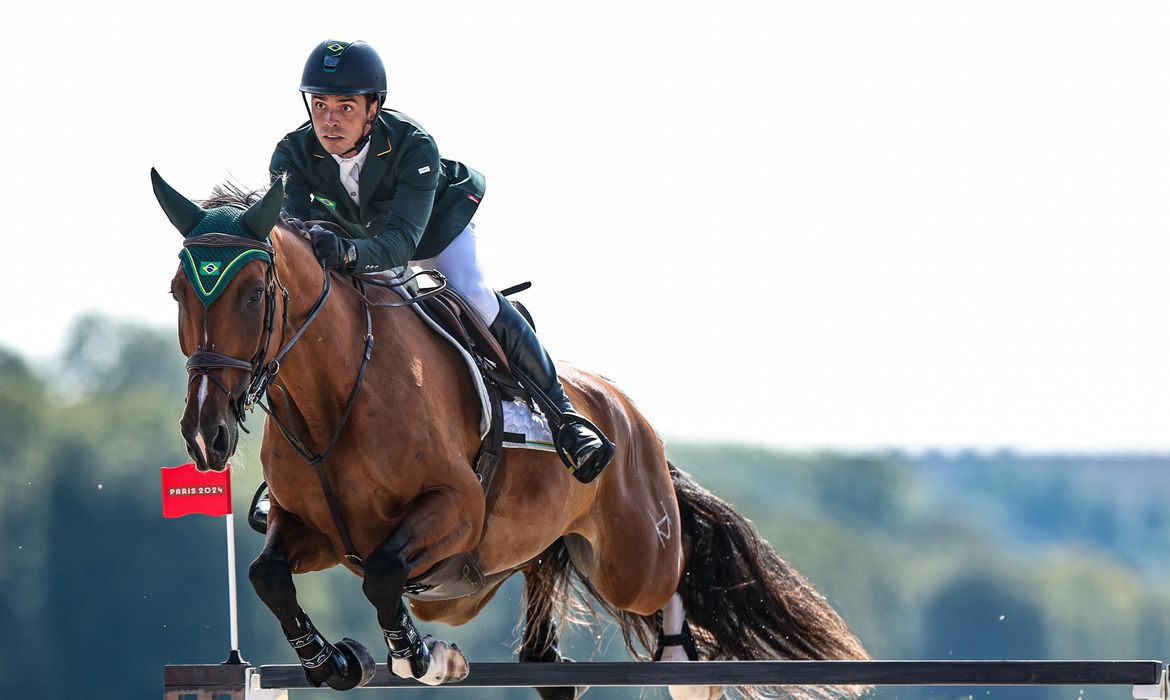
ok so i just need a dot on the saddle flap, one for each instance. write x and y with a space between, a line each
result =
456 316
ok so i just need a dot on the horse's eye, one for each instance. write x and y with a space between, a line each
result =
256 295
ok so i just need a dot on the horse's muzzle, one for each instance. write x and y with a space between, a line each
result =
209 429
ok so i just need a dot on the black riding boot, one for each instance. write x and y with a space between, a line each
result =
590 451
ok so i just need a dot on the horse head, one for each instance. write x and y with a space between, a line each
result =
226 291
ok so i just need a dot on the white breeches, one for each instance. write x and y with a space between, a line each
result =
459 263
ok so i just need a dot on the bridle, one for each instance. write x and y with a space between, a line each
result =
260 370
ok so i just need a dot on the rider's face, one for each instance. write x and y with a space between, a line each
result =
340 120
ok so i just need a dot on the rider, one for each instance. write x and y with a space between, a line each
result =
378 175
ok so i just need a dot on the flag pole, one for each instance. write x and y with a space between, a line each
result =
234 656
233 611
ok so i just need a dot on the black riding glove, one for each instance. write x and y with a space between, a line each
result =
332 250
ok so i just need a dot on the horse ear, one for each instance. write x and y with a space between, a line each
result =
182 212
261 216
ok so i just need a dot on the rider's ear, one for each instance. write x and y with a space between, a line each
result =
261 216
182 212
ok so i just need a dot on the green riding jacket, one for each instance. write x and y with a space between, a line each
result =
411 202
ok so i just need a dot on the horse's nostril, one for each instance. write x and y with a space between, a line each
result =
220 442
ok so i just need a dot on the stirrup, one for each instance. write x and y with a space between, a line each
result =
258 511
602 456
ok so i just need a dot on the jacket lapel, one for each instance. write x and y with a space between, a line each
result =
375 167
328 173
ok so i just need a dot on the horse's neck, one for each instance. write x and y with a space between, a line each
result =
320 372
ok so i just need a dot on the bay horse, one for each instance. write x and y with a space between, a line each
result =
386 410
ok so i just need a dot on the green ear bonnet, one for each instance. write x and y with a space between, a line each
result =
219 241
210 268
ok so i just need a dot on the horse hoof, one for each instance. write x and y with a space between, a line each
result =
448 664
562 692
359 666
695 692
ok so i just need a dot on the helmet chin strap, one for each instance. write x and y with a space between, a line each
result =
360 143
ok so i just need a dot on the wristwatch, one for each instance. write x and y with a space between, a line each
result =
350 255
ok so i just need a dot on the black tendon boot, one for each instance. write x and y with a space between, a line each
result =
587 448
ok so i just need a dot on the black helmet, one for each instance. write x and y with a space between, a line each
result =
341 68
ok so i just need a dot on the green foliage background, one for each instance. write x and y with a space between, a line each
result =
937 555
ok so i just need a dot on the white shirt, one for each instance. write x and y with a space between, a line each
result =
351 169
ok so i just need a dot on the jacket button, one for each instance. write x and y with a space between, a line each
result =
369 224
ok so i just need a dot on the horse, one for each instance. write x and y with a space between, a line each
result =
386 412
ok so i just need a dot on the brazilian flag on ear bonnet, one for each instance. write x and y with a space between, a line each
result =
343 68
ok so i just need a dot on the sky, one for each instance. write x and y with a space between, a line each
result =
906 224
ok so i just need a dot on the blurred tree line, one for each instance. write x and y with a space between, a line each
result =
967 555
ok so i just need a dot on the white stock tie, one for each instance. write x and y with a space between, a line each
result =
349 177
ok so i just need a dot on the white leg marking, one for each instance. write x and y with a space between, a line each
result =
673 616
401 668
448 664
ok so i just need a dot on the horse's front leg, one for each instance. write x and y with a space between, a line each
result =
432 531
342 666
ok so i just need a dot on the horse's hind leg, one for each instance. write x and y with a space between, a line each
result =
539 643
676 644
424 538
342 666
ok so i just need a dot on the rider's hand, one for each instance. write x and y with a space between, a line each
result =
293 223
332 250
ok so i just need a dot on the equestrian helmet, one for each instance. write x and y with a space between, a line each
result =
344 68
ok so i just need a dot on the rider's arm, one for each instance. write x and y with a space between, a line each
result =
415 179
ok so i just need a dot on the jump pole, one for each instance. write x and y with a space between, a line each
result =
1146 678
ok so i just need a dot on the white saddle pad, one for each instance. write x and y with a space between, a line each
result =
526 429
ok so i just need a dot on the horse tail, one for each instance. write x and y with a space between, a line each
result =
744 599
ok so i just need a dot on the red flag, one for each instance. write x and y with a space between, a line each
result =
186 490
